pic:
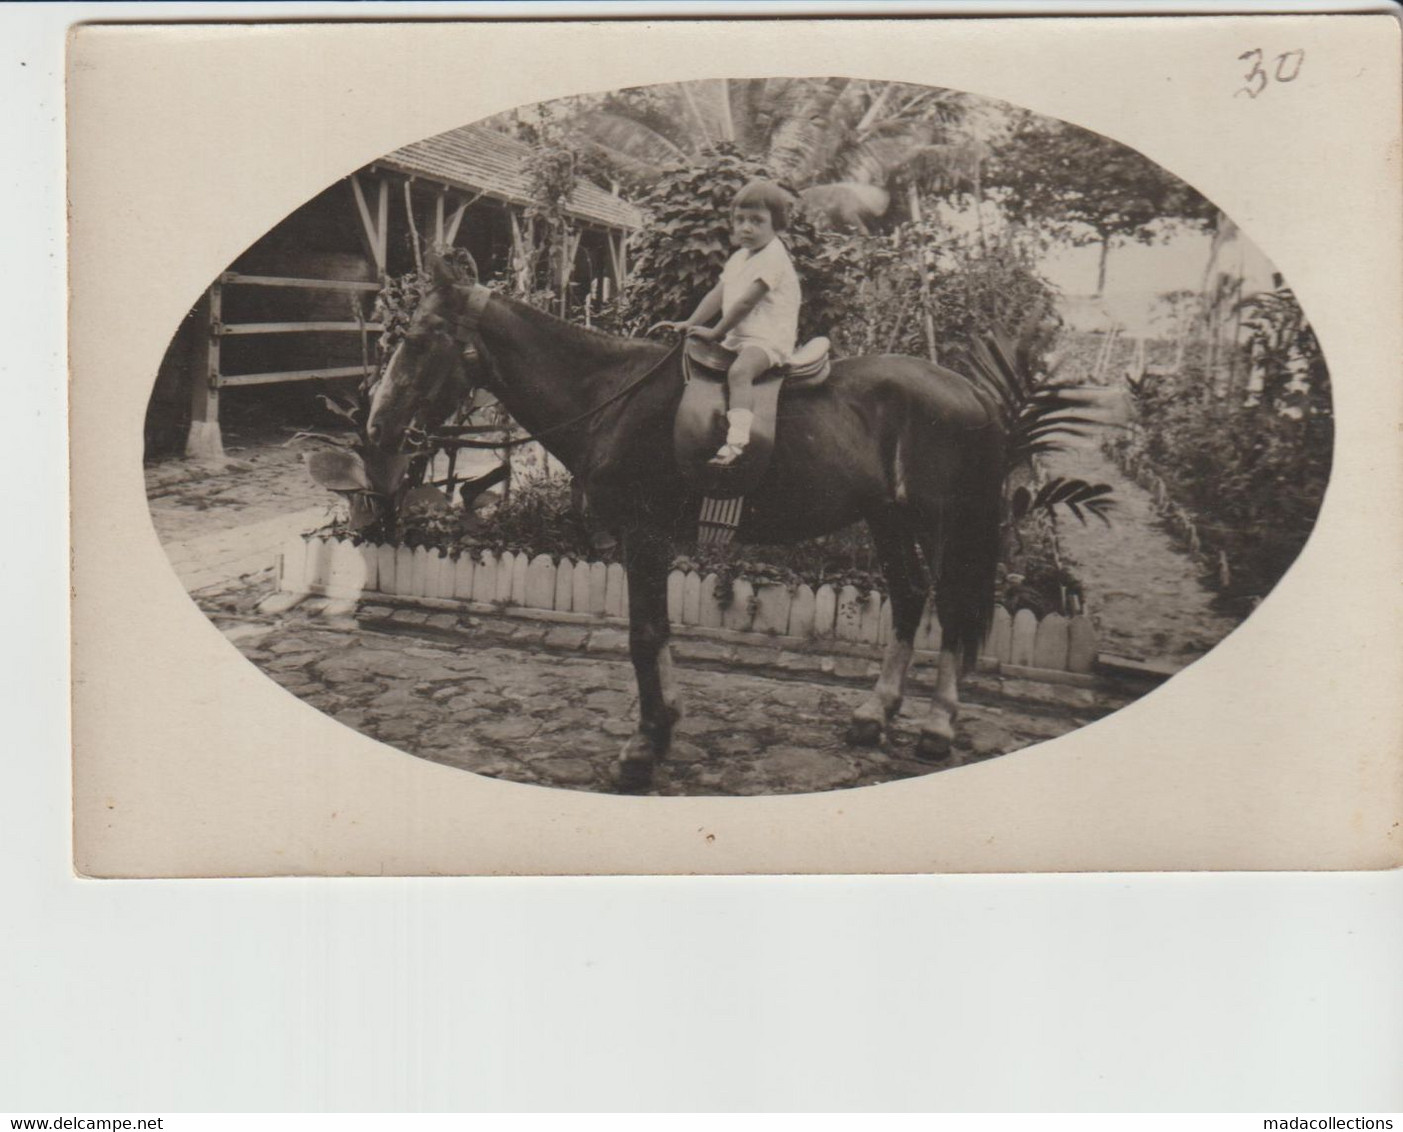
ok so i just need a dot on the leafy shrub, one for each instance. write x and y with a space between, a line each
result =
1251 463
974 286
681 251
538 517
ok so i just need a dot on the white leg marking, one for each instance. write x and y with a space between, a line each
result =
885 699
672 696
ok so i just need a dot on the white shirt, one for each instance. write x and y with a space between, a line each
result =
775 320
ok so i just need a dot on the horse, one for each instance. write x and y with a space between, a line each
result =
911 448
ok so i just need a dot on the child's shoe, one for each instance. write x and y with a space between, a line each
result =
737 437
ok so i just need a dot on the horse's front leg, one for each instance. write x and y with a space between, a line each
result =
647 555
901 566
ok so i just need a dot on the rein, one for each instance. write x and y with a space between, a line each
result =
464 333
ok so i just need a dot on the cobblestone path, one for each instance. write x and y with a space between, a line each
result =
552 705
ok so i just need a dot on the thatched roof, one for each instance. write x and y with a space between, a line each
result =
478 160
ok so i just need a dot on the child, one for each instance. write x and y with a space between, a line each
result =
758 300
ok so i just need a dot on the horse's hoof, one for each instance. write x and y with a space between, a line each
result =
633 771
932 747
633 776
864 733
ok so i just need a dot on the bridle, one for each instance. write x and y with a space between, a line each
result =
465 334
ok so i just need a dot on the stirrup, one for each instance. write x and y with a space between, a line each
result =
727 456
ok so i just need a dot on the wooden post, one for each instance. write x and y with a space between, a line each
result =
413 227
451 232
382 243
563 275
438 216
518 254
615 260
370 234
569 249
203 441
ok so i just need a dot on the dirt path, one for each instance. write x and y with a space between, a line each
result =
1143 592
264 478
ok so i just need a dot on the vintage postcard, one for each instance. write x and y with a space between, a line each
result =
851 446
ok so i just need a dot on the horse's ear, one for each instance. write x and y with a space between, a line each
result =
441 272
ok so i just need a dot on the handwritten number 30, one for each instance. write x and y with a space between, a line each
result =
1288 66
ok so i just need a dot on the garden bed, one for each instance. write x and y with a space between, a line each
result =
570 590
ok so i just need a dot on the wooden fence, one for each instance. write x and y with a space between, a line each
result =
341 569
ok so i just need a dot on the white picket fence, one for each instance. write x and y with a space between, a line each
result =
340 569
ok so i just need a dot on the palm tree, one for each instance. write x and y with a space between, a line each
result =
848 142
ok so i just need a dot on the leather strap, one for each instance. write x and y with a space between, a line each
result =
465 330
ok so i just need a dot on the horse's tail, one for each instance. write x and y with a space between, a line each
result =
969 564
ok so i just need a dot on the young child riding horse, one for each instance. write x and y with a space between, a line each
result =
758 300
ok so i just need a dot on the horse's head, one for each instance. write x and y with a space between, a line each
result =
427 376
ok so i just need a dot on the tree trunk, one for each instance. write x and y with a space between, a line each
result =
1223 231
413 227
728 121
1101 270
979 200
929 321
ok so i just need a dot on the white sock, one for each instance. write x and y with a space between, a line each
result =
739 431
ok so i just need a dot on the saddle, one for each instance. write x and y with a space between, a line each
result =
700 426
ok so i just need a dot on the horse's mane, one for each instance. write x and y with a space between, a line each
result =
599 343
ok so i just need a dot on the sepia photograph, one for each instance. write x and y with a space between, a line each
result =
685 564
764 437
468 451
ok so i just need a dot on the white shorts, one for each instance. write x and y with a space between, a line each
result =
776 354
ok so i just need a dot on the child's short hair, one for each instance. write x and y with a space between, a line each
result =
768 195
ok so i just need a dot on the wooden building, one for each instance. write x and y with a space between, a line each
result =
294 306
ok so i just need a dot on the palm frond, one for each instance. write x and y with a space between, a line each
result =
1041 411
1077 495
630 136
634 170
340 408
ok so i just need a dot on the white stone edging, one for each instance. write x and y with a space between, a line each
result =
338 568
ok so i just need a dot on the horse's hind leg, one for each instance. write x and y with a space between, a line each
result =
938 728
646 559
959 596
901 565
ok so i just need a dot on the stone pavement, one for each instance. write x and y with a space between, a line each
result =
553 704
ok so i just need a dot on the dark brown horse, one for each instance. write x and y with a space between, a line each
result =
912 449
